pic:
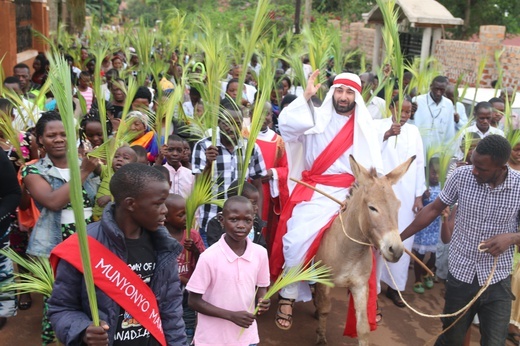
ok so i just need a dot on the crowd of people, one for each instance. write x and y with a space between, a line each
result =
160 283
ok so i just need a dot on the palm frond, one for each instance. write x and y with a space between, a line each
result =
258 116
258 29
202 193
61 88
39 279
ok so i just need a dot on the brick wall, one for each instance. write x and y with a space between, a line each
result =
362 38
459 57
464 57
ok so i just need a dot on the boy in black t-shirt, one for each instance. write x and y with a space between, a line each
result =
133 229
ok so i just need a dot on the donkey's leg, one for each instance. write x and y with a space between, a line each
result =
322 304
360 295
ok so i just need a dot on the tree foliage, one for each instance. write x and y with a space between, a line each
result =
484 12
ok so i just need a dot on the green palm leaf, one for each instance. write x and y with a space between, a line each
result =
59 76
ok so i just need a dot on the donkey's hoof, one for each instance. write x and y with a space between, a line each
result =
321 341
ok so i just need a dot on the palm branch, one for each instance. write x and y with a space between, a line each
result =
258 29
258 116
60 76
39 277
303 272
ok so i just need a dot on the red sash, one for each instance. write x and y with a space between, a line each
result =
116 280
337 147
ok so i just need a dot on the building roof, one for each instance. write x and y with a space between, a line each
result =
420 13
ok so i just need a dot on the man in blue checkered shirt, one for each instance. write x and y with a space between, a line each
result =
488 198
227 154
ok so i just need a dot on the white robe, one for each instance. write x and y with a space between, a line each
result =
411 185
307 131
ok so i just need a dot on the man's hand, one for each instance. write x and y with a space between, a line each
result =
96 336
312 89
242 318
263 305
456 117
211 154
268 177
417 205
394 130
498 244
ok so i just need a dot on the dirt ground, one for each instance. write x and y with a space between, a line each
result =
398 327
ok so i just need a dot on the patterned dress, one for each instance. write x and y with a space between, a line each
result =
426 240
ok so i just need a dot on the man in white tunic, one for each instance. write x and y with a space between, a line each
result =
399 141
435 116
318 144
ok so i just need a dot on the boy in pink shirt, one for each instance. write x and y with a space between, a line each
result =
222 287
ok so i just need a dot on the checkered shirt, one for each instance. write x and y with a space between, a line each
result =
482 213
226 170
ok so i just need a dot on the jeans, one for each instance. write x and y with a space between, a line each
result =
493 307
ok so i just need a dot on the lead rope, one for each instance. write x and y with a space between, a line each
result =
346 234
463 310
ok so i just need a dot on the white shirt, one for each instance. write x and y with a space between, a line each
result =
376 107
434 121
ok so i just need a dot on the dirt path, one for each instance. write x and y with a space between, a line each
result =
399 326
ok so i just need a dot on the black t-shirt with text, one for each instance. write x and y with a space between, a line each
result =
141 259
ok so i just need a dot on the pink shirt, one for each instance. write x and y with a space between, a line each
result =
181 179
88 95
228 282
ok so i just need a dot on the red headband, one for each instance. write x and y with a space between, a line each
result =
349 83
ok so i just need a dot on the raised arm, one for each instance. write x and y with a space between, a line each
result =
424 218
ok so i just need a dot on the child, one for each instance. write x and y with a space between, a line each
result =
186 159
123 156
141 154
181 177
176 225
85 90
133 230
250 192
426 240
222 287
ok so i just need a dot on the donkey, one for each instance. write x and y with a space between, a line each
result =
370 217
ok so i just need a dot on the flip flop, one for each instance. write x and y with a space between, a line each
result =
25 301
283 316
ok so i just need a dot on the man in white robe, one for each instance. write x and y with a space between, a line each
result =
307 132
400 141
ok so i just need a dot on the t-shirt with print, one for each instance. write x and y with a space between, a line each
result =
141 259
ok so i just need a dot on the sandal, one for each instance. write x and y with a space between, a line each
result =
379 314
283 316
418 288
428 281
393 295
25 301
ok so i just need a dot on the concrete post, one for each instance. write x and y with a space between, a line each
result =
425 46
376 62
437 36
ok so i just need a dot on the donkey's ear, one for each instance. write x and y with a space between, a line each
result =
398 172
360 172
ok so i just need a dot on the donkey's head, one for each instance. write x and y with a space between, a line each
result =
376 207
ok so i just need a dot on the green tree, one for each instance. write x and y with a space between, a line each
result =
484 12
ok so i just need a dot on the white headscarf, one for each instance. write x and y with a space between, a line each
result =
366 149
